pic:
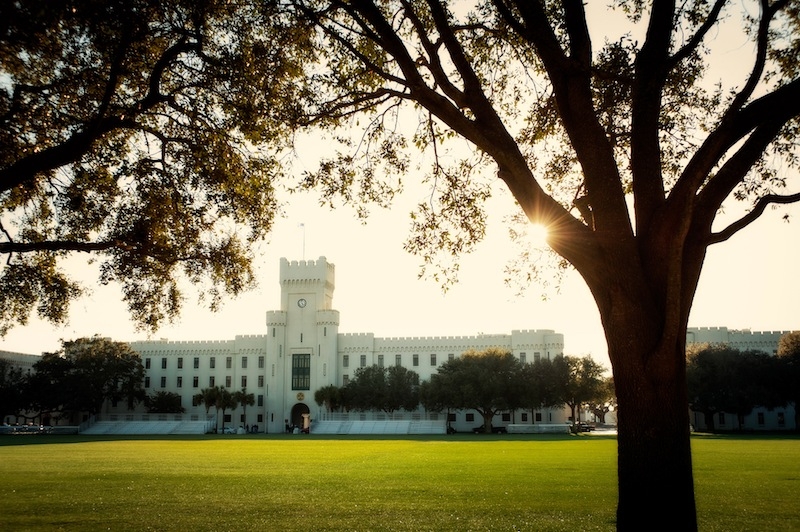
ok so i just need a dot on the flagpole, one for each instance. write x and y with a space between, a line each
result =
302 226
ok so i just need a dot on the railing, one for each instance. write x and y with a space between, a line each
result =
381 416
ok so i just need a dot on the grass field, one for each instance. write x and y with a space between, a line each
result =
459 482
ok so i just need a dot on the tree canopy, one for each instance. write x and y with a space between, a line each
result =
133 131
723 379
83 375
488 382
382 388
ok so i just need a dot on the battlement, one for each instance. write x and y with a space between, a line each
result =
307 270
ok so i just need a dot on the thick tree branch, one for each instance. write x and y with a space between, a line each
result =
71 150
646 96
752 216
58 245
777 107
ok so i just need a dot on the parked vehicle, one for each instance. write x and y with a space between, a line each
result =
480 429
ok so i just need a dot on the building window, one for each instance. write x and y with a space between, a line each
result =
163 382
211 381
261 362
380 361
212 362
260 381
244 362
524 417
506 417
522 358
722 418
346 361
260 400
450 356
451 417
147 363
433 359
470 417
363 361
147 382
301 372
180 362
398 360
195 381
180 382
228 381
536 357
345 380
164 363
415 360
196 362
244 381
228 362
761 418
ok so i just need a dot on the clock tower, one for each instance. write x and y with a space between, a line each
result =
302 342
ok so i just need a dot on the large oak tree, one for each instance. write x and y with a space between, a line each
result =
625 148
129 130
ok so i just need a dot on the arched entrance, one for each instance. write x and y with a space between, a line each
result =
297 414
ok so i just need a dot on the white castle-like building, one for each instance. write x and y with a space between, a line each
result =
303 351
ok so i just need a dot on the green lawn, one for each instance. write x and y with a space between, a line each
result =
459 482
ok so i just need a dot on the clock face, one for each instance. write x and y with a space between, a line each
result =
301 303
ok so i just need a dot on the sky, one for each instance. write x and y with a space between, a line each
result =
748 282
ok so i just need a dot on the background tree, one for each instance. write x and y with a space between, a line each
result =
164 403
330 397
207 397
85 374
708 375
12 383
225 401
386 389
789 357
486 381
541 385
402 389
723 379
47 389
104 370
135 131
579 381
755 375
605 401
244 400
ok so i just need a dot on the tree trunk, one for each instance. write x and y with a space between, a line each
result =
654 455
709 418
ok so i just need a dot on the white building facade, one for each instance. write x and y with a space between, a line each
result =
303 351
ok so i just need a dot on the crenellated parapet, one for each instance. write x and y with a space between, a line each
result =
276 318
743 339
328 317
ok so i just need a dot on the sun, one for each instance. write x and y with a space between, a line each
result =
537 235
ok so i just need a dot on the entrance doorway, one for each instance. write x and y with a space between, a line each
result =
297 414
